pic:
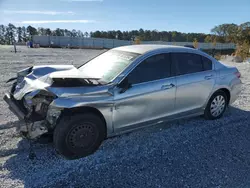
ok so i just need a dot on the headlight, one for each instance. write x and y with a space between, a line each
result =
20 79
20 86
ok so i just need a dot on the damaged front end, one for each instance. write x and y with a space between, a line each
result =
29 100
35 90
33 111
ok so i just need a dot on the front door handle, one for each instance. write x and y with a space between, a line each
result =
167 86
208 77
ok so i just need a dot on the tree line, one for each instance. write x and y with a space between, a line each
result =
238 34
10 33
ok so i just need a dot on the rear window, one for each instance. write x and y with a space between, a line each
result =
207 63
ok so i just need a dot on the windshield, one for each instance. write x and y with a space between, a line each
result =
108 65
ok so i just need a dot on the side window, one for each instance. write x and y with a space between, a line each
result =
207 63
154 68
187 63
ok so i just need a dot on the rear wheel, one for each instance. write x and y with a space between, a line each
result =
216 106
79 135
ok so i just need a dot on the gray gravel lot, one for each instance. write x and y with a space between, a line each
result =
185 153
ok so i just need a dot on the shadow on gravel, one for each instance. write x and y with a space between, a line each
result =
9 125
191 153
22 146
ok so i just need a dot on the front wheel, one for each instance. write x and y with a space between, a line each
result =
216 106
79 135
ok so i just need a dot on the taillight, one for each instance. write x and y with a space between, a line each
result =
237 74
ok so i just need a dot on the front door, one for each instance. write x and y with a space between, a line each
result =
151 97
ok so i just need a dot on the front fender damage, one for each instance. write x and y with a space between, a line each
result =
53 115
41 98
34 129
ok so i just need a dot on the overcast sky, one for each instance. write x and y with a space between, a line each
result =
91 15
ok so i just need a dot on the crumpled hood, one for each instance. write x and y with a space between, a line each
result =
71 73
57 71
41 78
42 72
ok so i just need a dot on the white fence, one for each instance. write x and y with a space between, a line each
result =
201 45
61 41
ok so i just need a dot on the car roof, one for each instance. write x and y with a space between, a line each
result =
144 48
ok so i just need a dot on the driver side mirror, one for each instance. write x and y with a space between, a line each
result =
124 85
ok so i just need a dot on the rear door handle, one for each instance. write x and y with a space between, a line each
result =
208 77
167 86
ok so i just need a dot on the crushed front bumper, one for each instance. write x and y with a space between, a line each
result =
30 130
14 107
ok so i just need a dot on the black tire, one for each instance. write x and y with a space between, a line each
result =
79 135
207 113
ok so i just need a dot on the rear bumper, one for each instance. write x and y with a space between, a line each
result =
13 106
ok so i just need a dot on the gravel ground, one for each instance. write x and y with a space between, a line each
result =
185 153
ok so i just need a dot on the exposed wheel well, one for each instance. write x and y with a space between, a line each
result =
227 92
85 109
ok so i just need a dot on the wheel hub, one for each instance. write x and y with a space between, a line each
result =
218 105
81 136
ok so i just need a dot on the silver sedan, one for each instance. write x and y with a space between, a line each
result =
118 91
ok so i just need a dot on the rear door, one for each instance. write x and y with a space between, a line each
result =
151 97
195 79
